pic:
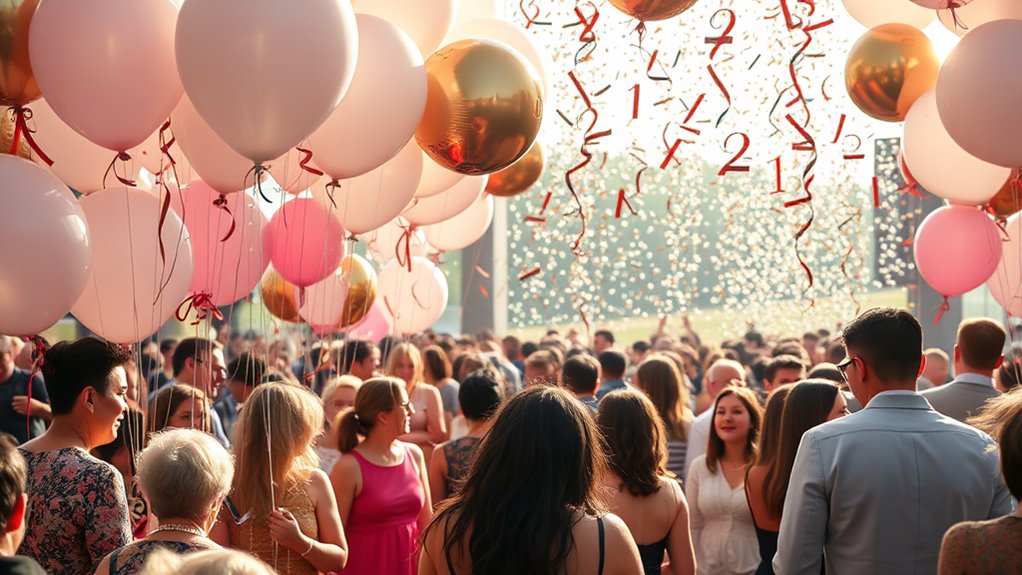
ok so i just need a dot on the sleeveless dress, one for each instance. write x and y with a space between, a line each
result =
129 559
458 453
382 528
253 536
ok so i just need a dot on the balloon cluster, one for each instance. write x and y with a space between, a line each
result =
383 117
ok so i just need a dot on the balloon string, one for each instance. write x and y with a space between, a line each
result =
941 310
331 187
406 239
202 303
953 7
21 129
221 202
124 157
38 355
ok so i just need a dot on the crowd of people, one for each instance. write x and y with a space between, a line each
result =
844 453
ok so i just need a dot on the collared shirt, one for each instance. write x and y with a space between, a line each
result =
975 378
609 386
589 401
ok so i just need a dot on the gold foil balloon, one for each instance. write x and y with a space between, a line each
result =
888 68
646 10
1008 200
483 108
356 279
519 176
278 296
7 129
17 84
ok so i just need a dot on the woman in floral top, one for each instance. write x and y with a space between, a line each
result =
79 510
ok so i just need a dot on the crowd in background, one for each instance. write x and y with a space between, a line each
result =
850 452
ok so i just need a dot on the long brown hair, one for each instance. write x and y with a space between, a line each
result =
770 430
808 404
435 364
375 396
636 441
533 474
662 382
168 399
715 447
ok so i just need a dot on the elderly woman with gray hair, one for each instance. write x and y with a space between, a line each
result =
185 475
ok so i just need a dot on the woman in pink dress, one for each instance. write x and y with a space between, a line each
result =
380 482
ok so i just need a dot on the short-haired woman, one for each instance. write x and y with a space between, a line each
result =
185 475
338 397
213 562
722 525
638 486
480 395
79 509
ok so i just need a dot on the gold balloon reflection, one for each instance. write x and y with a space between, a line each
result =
362 287
278 296
7 128
1006 202
646 10
17 84
519 176
483 107
888 68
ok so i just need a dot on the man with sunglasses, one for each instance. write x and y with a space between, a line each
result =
875 492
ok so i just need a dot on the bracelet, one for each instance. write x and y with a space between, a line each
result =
312 543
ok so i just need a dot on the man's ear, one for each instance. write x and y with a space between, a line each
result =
922 363
18 513
1000 362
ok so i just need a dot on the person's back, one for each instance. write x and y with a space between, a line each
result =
977 354
650 519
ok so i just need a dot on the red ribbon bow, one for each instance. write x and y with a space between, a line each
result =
202 303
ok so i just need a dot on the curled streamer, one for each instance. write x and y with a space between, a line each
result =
21 129
202 303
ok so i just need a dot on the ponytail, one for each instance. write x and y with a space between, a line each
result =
374 396
348 430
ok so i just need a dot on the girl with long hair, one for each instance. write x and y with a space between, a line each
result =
428 426
289 514
531 502
660 379
380 482
179 406
638 486
721 522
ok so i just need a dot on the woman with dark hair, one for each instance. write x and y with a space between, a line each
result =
660 378
436 371
480 395
721 522
121 453
531 502
179 406
380 482
79 510
638 486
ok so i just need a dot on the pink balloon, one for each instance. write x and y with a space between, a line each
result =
76 161
436 179
128 274
425 22
384 242
435 209
978 93
975 14
367 202
417 298
1006 283
381 110
940 165
376 325
228 269
872 13
463 229
45 259
288 172
957 248
942 4
264 75
304 241
107 66
213 161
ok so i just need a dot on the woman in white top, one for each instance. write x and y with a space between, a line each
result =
338 397
722 527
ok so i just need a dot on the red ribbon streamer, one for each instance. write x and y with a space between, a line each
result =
21 129
723 91
725 36
587 35
529 19
304 162
202 303
124 157
221 202
876 193
405 238
526 275
622 201
941 310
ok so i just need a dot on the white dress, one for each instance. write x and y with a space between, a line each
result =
722 527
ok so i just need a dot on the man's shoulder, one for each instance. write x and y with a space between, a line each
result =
869 423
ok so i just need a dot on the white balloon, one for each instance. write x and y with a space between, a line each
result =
383 242
435 209
417 298
463 229
425 21
436 179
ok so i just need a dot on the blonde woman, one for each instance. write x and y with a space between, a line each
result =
294 526
659 377
428 426
380 482
338 397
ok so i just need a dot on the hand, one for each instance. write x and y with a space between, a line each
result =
687 322
663 324
20 405
284 530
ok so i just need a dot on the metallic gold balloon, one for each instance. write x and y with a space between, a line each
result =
7 128
362 288
519 176
647 10
17 84
279 296
888 68
1007 201
483 108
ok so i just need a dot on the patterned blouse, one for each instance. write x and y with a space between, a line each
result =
129 560
458 453
79 511
982 547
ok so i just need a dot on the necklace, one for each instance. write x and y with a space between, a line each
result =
182 528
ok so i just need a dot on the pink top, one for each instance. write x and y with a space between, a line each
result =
382 529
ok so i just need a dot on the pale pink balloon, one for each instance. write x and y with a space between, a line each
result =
381 110
288 172
264 75
107 66
304 241
506 33
417 298
212 160
940 165
436 179
228 264
392 238
375 325
872 13
128 274
435 209
78 162
978 93
475 9
426 22
45 257
1006 283
957 248
942 4
463 229
975 14
367 202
